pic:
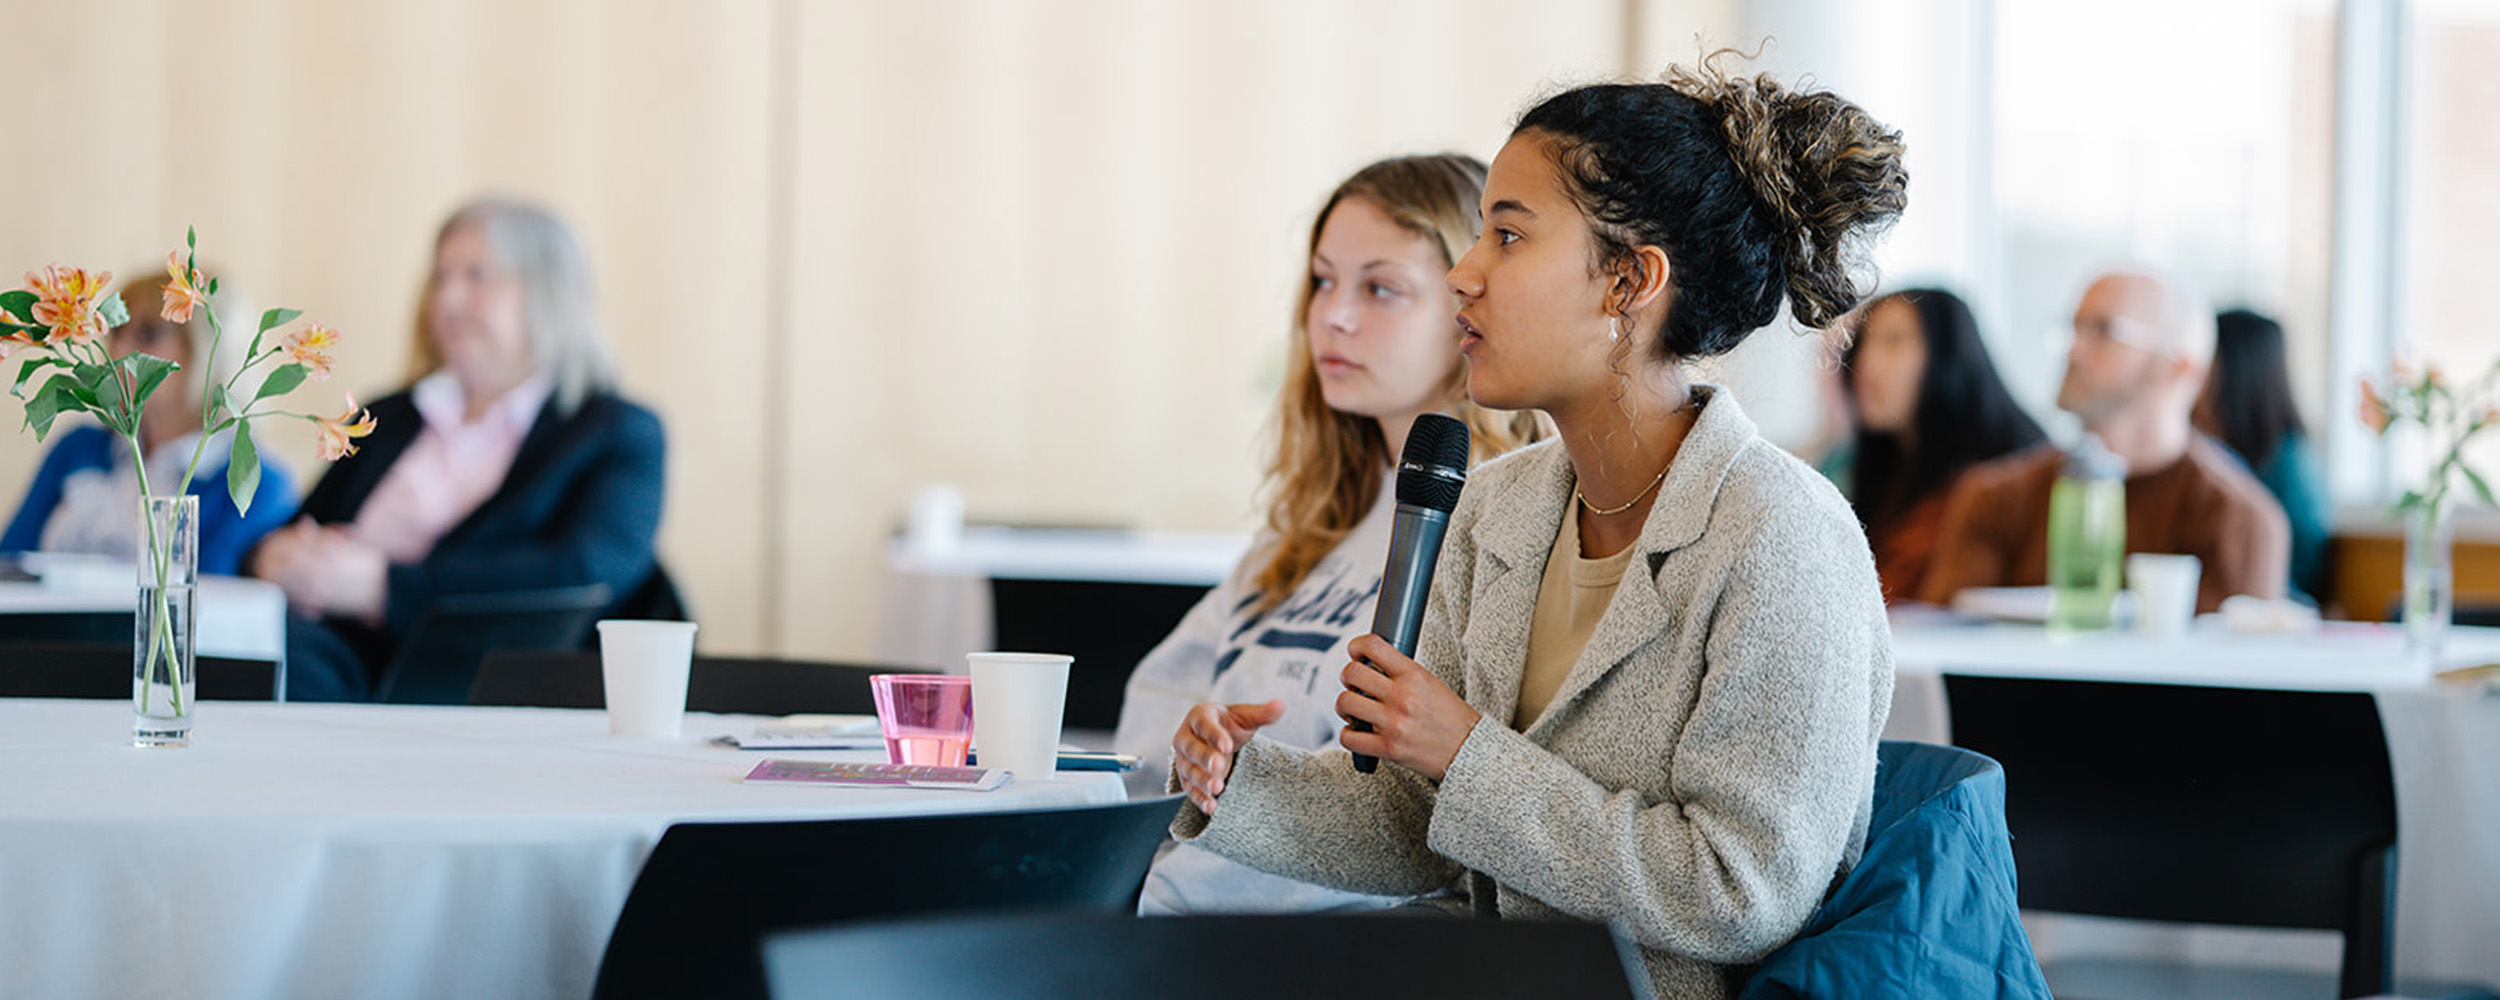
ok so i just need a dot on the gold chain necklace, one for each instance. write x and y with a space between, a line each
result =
1689 403
1627 505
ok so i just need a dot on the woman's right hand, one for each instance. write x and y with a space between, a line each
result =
1203 749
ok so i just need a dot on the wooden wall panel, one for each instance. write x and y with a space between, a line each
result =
1043 252
318 145
1047 253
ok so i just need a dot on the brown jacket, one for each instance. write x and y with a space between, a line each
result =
1996 526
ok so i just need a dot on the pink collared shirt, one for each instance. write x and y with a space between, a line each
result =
451 468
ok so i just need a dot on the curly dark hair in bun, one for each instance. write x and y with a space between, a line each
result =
1753 190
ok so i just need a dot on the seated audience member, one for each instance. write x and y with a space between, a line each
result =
1653 666
2137 365
2248 405
1374 345
85 498
512 464
1927 404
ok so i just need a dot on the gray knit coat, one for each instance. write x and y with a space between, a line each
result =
1706 769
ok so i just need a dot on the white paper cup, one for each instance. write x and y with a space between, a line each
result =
1017 699
644 666
2165 592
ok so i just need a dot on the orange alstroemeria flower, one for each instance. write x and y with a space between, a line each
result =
65 302
14 343
2373 409
336 434
308 347
184 293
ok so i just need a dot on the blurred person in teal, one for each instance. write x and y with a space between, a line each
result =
2248 406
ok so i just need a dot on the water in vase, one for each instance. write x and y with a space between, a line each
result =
164 679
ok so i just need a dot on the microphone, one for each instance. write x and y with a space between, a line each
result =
1430 473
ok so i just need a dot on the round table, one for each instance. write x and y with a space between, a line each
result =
299 850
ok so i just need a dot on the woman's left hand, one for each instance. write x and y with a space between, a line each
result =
1416 720
326 570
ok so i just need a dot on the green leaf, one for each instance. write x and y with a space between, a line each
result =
28 370
191 237
243 469
19 303
49 403
2475 479
281 381
216 399
147 372
97 383
276 318
87 383
113 311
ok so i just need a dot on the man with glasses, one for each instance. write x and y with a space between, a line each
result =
2142 342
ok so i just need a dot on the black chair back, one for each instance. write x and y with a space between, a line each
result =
1021 956
694 922
2196 804
1107 626
103 670
732 685
656 598
438 659
70 626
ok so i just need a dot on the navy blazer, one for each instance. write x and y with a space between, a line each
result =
580 505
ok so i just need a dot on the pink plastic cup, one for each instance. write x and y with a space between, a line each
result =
927 718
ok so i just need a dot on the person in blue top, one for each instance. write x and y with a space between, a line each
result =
85 497
2248 405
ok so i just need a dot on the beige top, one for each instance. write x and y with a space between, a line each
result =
1572 597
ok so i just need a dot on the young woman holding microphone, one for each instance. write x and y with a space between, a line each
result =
1654 664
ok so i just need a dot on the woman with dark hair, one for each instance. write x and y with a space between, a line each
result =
2248 405
1927 404
1654 663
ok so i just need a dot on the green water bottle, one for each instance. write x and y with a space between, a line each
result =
2087 539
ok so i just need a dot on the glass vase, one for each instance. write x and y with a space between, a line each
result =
164 679
2429 584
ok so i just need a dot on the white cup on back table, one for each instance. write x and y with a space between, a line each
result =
2165 591
1017 699
644 666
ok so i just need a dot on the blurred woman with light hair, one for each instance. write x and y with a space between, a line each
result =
1374 345
510 464
85 498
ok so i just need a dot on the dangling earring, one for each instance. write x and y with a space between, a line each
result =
1614 329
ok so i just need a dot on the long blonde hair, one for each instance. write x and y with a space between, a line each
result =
1330 465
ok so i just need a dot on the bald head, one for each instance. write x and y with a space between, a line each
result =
2143 339
2156 310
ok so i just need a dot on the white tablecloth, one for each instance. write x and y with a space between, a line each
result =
325 851
2443 740
239 617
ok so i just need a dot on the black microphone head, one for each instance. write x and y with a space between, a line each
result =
1435 463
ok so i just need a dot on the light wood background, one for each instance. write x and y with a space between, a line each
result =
1043 252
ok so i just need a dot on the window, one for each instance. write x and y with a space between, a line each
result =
2196 136
2451 234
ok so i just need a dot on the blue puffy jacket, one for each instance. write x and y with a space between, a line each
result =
1929 911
